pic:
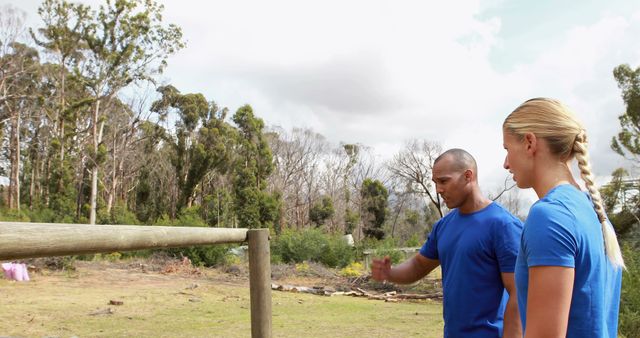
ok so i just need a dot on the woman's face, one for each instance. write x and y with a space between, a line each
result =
517 161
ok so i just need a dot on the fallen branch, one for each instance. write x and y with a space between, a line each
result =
391 296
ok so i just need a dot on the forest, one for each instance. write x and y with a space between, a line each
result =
90 134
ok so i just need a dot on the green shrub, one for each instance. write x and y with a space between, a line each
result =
311 245
629 320
11 215
414 240
338 253
380 248
355 269
211 255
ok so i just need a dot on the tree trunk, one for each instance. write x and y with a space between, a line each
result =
114 174
97 138
14 179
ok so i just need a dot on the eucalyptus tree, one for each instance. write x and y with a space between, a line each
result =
253 163
62 37
19 77
627 142
202 143
374 207
126 43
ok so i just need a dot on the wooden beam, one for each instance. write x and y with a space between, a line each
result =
260 283
29 240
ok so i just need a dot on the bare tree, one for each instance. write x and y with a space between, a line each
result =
414 165
507 196
297 156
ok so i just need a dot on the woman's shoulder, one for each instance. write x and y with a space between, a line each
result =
551 211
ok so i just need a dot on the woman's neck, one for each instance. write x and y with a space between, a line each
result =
551 174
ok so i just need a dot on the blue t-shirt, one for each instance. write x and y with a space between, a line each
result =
473 250
562 229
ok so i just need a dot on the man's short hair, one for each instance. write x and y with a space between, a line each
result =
462 160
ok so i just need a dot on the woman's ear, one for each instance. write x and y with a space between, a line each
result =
530 143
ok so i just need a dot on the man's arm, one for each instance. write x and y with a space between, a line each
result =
408 272
549 301
512 324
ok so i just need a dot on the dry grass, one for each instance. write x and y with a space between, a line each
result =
207 304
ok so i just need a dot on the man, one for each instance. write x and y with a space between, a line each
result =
476 244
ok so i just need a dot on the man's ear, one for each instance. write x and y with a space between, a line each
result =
530 143
468 175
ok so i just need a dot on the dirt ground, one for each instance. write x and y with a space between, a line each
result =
161 297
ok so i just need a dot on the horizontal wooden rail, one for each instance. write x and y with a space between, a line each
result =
29 240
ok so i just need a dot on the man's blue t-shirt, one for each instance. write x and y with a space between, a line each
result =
473 250
562 229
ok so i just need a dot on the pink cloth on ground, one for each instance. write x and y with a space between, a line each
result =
16 271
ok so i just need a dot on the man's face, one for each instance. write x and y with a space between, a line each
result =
451 183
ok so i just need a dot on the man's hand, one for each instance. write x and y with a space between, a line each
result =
381 269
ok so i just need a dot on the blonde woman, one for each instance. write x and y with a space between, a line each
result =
568 270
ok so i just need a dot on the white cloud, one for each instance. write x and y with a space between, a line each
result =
381 72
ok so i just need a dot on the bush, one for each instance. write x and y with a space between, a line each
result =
212 255
338 253
381 248
414 240
629 320
311 245
11 215
353 270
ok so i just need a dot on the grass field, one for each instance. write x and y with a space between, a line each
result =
212 304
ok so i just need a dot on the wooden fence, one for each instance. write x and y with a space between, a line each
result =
30 240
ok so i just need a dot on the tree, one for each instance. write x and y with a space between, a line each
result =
321 211
203 140
253 165
296 156
18 81
628 139
62 36
621 201
374 207
126 43
414 165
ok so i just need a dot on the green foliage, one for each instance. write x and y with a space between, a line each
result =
321 211
12 215
615 198
354 269
414 240
351 221
374 207
252 167
311 245
629 320
270 205
212 255
119 215
381 248
628 139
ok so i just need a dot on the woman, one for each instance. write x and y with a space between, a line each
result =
569 268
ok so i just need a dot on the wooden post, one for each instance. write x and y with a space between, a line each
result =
260 282
29 240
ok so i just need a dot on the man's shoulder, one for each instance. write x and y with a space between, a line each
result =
501 215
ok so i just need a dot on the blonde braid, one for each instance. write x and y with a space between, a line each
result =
612 247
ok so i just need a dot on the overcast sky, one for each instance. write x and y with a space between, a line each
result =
382 72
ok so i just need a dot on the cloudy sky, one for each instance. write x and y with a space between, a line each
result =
382 72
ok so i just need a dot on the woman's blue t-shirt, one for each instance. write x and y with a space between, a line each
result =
474 249
562 229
